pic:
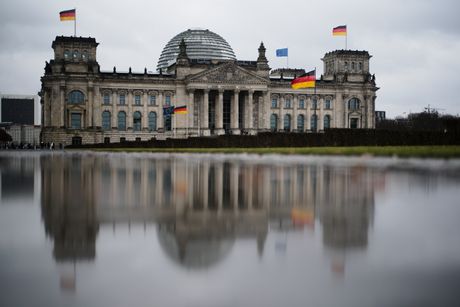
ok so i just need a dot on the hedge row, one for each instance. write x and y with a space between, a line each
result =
332 137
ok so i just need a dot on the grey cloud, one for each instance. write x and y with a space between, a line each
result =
408 39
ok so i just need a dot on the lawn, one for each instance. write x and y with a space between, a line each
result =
400 151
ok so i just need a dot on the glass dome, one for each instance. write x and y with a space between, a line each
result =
201 44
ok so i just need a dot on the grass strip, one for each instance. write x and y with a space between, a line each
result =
400 151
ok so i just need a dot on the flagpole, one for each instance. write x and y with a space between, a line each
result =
346 37
75 24
316 103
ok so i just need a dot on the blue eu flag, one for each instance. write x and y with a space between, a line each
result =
282 52
168 110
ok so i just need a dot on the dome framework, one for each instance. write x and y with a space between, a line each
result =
201 44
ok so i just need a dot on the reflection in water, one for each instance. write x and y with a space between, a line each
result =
201 206
226 230
19 179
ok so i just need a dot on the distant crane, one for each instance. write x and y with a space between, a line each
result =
430 110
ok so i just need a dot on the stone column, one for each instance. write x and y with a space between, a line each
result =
145 114
264 118
190 111
370 114
160 118
62 109
234 125
129 119
89 108
220 113
114 110
320 113
250 112
205 113
281 113
46 113
295 101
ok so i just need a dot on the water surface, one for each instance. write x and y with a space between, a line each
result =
86 229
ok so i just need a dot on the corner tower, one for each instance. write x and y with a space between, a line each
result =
74 54
348 64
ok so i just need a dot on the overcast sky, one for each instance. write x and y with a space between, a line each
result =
414 43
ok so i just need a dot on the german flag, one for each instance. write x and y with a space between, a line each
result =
305 80
67 15
180 110
339 31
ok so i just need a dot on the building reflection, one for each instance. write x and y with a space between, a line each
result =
201 206
19 179
68 206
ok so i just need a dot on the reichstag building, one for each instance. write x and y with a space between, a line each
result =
197 69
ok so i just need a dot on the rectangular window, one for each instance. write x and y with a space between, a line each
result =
122 99
153 100
168 100
327 104
106 98
274 103
137 100
314 103
75 120
302 104
106 140
287 103
353 123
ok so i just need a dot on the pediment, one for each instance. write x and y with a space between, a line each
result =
76 107
229 73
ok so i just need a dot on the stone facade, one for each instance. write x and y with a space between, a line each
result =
82 104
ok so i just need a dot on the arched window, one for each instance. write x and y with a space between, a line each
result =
314 122
76 97
106 120
287 122
66 54
121 121
137 121
273 122
300 123
327 121
152 121
353 104
76 54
